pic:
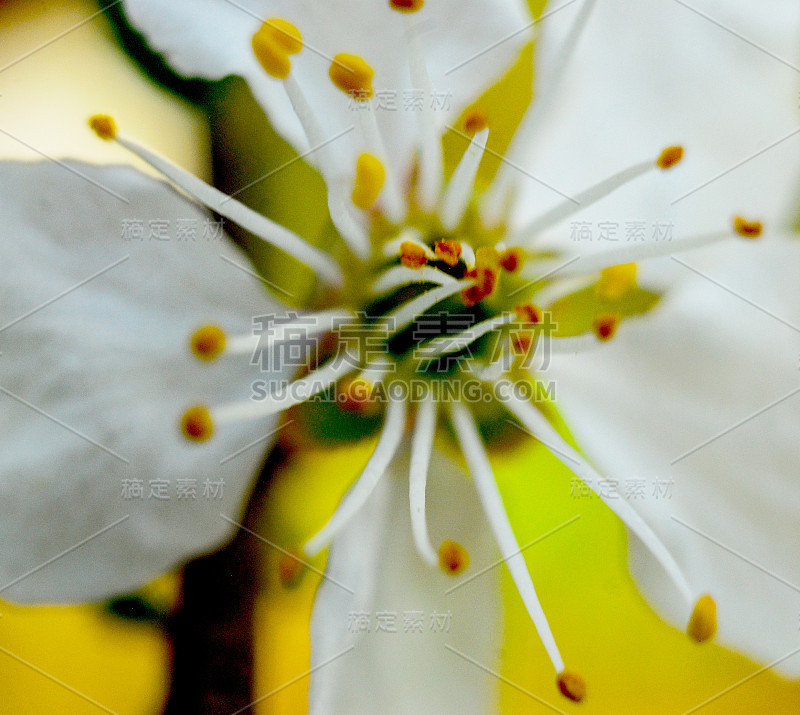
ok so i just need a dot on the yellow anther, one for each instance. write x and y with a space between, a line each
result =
605 326
448 252
285 34
616 281
669 157
528 313
275 40
572 685
485 273
522 343
271 56
412 255
104 126
356 395
475 120
748 229
208 342
368 183
196 424
352 75
290 570
406 5
703 621
512 259
453 558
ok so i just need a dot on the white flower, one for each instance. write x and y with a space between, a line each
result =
415 258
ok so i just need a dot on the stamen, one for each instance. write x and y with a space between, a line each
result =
208 342
459 190
196 424
391 249
453 343
468 255
483 478
500 193
290 570
669 157
355 395
523 345
616 281
397 276
453 558
370 177
703 621
104 126
475 120
629 254
352 75
747 229
511 259
306 327
406 5
284 33
449 252
536 423
605 326
431 171
494 370
268 231
412 255
410 311
391 436
392 204
352 233
486 273
572 685
272 45
529 313
421 446
298 391
530 351
591 196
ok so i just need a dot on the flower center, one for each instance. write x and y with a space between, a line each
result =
436 300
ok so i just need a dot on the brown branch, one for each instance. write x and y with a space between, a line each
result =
211 635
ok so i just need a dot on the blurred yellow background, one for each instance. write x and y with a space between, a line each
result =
80 660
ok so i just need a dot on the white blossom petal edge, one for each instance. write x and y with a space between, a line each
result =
99 493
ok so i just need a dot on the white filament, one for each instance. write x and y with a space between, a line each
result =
273 233
500 192
354 235
459 190
483 477
391 200
391 436
458 341
421 446
397 276
401 317
285 396
431 174
639 252
536 423
579 202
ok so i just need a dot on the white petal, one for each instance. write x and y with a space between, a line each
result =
211 38
407 672
655 74
662 401
109 362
